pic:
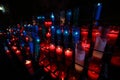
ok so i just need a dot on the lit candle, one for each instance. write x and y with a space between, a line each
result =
14 48
62 75
48 24
59 50
48 34
84 33
28 64
86 45
18 52
47 68
7 51
46 65
95 33
94 69
112 36
68 53
93 75
52 47
53 67
26 38
55 74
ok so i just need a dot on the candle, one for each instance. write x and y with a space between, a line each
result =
52 47
47 68
95 33
18 52
59 50
55 74
41 59
84 33
94 69
48 34
53 67
28 64
93 75
14 48
112 36
62 75
68 53
86 45
48 23
46 65
42 46
26 38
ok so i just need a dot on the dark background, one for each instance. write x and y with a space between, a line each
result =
23 10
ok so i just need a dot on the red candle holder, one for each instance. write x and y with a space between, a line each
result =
68 53
86 45
41 59
46 65
26 38
112 35
53 67
47 68
48 24
84 32
28 64
94 69
68 56
48 35
52 47
59 50
18 52
14 48
62 75
54 74
42 46
95 33
59 53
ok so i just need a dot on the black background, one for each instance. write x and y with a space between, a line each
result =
20 10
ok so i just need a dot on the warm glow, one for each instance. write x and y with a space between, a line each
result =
92 75
59 50
86 45
52 47
48 35
95 33
48 23
18 52
26 38
28 62
53 67
68 53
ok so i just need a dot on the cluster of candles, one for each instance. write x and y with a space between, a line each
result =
51 55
